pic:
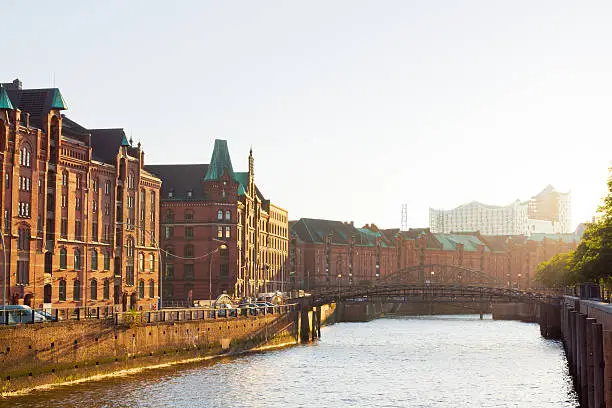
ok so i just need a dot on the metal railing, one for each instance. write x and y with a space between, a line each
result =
24 316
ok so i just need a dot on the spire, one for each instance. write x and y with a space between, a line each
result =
5 102
251 163
219 162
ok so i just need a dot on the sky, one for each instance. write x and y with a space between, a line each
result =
352 107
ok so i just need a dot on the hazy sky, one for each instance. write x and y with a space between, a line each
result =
352 107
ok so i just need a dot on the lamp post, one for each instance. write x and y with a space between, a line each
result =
212 257
432 277
4 273
518 282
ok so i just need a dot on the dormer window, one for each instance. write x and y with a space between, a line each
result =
189 194
170 193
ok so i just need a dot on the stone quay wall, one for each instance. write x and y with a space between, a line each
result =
33 355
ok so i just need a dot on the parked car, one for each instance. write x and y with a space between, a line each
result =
20 314
48 316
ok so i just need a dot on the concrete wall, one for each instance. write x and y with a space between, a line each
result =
32 355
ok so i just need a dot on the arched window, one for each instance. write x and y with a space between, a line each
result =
106 290
63 260
62 290
94 260
76 290
106 260
131 180
24 156
220 214
228 215
23 241
77 259
151 288
151 263
141 289
189 251
64 178
141 262
94 290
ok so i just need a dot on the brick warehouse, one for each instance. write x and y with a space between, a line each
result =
327 253
79 209
218 232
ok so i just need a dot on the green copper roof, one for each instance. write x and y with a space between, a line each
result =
5 102
241 190
470 242
58 101
219 161
124 141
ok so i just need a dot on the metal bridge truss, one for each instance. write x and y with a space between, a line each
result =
441 274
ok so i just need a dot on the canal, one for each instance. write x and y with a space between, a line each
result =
432 361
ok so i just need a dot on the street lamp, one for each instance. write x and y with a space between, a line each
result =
518 282
212 257
432 276
4 273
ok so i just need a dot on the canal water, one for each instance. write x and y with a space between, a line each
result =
433 361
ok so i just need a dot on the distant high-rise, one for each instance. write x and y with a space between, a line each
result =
547 212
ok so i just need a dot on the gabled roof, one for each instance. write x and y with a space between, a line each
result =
36 102
416 233
219 162
316 230
470 242
180 178
106 144
5 102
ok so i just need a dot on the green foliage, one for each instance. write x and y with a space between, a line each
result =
592 259
556 272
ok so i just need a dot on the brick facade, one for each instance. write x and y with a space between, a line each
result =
79 210
219 234
327 253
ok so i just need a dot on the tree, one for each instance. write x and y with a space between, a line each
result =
556 272
592 259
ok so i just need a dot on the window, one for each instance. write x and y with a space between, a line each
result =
94 260
78 182
224 270
106 260
78 203
64 228
65 179
227 232
77 230
188 215
188 232
151 288
130 248
188 271
23 272
189 194
219 232
151 263
64 201
141 287
77 259
220 215
131 181
107 188
129 275
169 232
94 290
106 208
169 271
152 207
76 290
62 290
63 258
95 185
169 216
23 240
189 251
141 262
106 233
94 206
228 215
106 290
94 231
170 194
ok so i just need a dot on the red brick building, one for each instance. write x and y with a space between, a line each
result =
324 252
219 233
79 210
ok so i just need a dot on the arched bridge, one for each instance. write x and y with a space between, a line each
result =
441 274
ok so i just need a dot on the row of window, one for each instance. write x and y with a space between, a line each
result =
23 209
188 215
77 264
24 157
93 287
25 183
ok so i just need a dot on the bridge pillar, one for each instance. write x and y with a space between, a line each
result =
304 325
